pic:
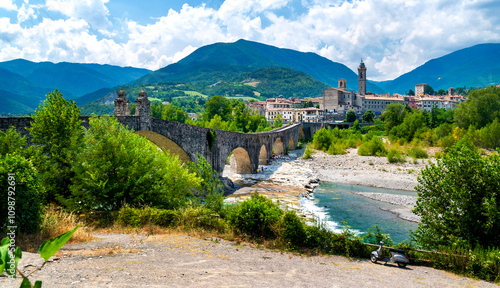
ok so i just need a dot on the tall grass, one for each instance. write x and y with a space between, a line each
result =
54 223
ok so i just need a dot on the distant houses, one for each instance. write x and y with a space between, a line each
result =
337 101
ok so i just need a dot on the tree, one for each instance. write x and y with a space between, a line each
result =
428 90
369 116
411 93
458 199
278 121
482 107
412 123
19 181
117 167
220 106
56 130
211 191
393 115
442 92
350 116
11 141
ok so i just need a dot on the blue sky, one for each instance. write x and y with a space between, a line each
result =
392 36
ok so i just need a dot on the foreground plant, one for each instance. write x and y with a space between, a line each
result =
48 248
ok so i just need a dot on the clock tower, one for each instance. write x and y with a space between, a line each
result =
362 78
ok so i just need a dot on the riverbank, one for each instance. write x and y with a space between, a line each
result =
285 181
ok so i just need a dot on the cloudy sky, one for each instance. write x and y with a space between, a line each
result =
392 36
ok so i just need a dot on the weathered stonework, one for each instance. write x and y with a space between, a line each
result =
122 105
143 110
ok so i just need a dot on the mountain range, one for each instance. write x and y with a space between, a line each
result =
23 84
214 62
476 66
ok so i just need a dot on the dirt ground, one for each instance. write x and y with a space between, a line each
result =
123 260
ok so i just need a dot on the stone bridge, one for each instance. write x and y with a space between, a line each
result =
249 149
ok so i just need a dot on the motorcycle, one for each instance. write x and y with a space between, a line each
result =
397 256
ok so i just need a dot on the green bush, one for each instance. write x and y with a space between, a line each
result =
374 147
256 217
350 116
394 156
375 235
140 217
292 230
417 153
23 196
211 191
201 217
336 150
308 153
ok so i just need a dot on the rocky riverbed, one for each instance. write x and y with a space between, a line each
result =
286 180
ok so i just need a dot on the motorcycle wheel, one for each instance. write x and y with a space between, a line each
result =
401 264
373 258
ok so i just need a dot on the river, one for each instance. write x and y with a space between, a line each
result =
333 203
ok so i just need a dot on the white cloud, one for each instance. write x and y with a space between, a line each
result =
392 36
94 12
25 12
7 5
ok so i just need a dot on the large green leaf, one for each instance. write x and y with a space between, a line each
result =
26 283
4 248
51 246
18 254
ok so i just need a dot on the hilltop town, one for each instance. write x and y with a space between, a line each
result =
335 102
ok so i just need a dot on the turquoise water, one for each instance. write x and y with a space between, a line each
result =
334 203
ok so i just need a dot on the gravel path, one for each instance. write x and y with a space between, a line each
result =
121 260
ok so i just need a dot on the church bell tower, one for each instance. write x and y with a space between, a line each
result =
362 78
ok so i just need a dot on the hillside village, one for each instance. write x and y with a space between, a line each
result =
335 102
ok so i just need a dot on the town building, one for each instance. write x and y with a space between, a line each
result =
337 101
420 89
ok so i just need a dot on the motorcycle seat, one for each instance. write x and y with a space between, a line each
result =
397 250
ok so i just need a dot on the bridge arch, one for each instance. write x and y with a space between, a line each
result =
291 144
240 161
302 133
263 159
278 146
165 144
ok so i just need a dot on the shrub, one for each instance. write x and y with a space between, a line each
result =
368 116
336 150
292 230
211 191
375 235
350 116
417 153
256 217
140 217
23 196
374 147
438 155
308 153
394 156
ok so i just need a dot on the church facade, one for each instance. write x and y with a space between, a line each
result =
339 100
